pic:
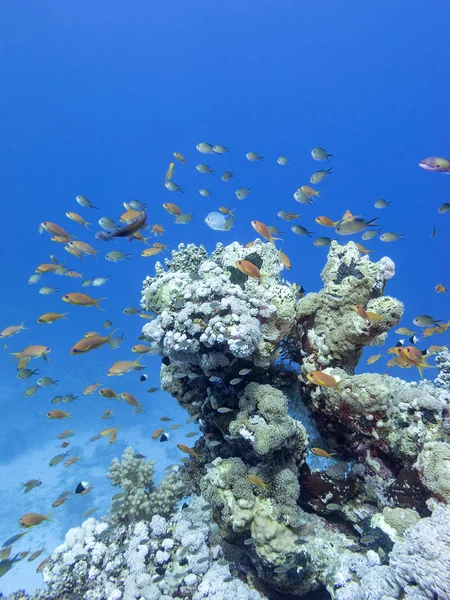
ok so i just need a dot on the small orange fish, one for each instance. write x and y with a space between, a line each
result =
225 211
91 342
120 367
285 260
141 349
60 239
50 227
368 316
326 221
159 245
322 453
256 480
108 431
59 414
180 157
90 389
32 352
77 218
108 393
59 501
157 433
148 252
73 274
146 316
71 461
192 453
51 317
12 330
31 519
158 229
373 359
323 380
82 300
83 247
130 399
309 191
440 289
249 269
47 268
362 249
263 231
129 216
172 209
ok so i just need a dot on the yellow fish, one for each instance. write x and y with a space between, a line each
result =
59 414
121 367
180 157
51 317
192 453
323 380
82 300
373 359
31 519
169 173
256 480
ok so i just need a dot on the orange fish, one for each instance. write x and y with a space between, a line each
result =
172 209
323 380
71 461
32 352
192 453
120 367
440 289
77 218
285 260
60 239
249 269
108 393
362 249
158 229
326 221
59 501
84 248
91 342
11 330
150 252
263 231
129 216
368 316
31 519
82 300
157 433
51 317
50 227
373 359
90 389
141 349
59 414
309 191
256 480
74 274
322 453
130 399
47 268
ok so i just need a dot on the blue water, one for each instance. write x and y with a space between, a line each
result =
96 97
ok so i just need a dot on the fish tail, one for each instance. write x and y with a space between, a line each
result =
63 316
330 170
87 225
108 339
17 355
96 303
372 221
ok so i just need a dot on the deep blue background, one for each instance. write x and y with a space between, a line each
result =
94 101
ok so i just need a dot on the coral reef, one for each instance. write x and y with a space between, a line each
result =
341 488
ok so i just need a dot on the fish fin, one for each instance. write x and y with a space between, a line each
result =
109 337
96 303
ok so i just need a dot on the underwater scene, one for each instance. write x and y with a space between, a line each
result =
225 325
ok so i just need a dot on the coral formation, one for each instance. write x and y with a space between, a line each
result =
341 488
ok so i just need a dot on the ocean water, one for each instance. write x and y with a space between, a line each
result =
95 99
